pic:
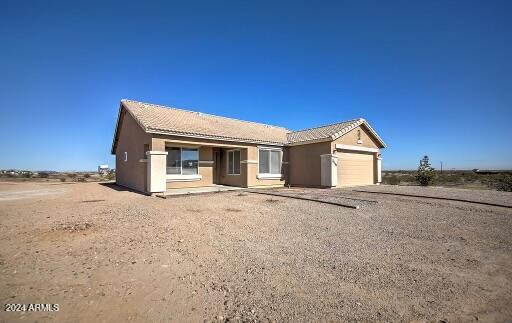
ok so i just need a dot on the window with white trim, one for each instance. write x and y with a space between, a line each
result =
270 161
233 162
182 161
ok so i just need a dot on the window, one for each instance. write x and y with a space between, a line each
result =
182 161
189 161
234 162
173 160
270 161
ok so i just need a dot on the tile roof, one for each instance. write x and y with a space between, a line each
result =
330 132
322 132
156 118
165 120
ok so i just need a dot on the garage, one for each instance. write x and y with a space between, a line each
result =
355 168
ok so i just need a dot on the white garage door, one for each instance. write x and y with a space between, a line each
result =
355 168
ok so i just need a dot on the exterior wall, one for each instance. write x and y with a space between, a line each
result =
305 163
158 142
204 169
350 138
131 139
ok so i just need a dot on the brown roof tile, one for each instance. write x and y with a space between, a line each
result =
160 119
317 133
156 118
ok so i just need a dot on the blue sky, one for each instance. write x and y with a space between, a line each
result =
432 77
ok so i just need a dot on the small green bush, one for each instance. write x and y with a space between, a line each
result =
426 173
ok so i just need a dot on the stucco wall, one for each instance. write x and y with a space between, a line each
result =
131 139
350 138
305 163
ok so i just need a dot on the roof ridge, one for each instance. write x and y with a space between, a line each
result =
207 114
330 124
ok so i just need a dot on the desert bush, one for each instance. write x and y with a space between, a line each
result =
391 179
426 173
72 175
27 175
80 179
110 175
448 179
87 175
43 175
501 182
407 178
62 179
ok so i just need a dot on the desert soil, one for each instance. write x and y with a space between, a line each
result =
107 254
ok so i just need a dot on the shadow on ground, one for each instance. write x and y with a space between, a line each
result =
119 188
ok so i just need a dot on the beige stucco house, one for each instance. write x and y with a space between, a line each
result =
159 148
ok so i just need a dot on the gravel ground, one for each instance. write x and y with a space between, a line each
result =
488 196
105 254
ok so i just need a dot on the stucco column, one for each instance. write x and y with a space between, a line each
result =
157 170
379 168
329 170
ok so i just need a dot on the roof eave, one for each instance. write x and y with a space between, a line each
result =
114 140
220 138
307 142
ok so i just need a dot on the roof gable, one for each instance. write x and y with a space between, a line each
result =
330 132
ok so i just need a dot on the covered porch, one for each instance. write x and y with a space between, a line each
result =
178 166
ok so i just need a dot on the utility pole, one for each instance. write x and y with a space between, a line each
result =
441 167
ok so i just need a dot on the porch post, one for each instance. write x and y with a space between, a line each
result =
156 171
379 168
329 170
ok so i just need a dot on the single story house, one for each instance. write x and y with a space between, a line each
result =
159 148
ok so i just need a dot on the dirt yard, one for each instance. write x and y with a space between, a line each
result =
107 254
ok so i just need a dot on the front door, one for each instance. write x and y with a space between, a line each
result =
216 167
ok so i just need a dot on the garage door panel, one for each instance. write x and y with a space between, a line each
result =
355 168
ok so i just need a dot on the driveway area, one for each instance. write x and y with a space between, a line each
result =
108 254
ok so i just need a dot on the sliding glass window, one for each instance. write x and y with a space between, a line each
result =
182 161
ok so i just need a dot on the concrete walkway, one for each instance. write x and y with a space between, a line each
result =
199 190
